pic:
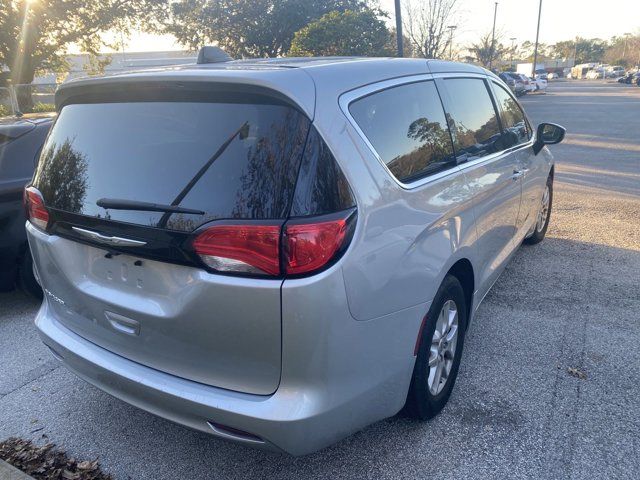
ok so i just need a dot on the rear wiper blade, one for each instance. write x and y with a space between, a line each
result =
118 204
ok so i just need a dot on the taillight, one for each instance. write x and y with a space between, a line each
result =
311 244
252 249
307 245
34 205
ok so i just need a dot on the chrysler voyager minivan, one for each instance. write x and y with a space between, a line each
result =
281 252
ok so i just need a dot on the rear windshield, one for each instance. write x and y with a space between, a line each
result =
229 160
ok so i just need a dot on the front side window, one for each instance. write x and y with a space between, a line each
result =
513 121
472 118
407 127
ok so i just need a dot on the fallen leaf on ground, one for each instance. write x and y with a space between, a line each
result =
47 462
576 372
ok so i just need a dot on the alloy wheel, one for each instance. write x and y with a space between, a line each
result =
544 210
443 347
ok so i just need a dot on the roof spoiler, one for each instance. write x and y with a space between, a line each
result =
212 55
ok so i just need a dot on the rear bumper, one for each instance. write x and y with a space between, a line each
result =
296 419
182 401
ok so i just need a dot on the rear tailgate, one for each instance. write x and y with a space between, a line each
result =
150 300
216 330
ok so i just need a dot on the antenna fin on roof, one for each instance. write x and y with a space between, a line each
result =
212 55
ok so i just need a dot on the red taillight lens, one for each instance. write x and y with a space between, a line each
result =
253 249
36 211
308 245
311 246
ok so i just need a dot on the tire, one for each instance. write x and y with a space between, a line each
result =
26 278
7 278
541 226
422 401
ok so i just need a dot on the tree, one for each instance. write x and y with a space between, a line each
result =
343 33
624 50
36 34
526 51
582 49
483 52
392 46
63 181
426 24
248 28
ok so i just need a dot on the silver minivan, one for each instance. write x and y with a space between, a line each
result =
281 252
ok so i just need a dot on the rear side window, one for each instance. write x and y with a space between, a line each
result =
407 127
229 160
322 187
511 115
473 120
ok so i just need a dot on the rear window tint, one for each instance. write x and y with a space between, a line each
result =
407 127
154 151
322 187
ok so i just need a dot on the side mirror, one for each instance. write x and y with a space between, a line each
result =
548 134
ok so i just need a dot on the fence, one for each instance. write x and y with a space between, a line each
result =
6 102
27 98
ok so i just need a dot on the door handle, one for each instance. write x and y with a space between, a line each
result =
519 173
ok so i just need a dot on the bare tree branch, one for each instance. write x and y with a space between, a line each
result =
426 23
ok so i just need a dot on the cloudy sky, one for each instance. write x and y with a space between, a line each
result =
561 20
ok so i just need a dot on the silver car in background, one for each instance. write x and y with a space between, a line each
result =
281 252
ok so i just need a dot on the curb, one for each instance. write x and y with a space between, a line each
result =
9 472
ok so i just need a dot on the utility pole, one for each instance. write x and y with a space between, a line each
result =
399 28
493 36
124 55
451 29
513 48
535 50
624 50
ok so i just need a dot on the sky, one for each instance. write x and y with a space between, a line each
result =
561 20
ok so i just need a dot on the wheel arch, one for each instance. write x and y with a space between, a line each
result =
462 269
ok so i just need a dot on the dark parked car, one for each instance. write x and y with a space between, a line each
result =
21 139
515 82
630 78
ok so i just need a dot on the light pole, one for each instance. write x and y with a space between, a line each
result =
451 29
535 50
513 48
493 35
399 28
124 55
624 50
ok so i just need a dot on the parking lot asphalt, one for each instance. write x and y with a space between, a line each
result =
549 385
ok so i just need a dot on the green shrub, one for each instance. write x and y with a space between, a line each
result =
346 33
40 107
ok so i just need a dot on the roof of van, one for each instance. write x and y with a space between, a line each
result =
346 64
295 77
